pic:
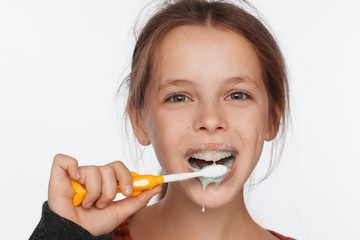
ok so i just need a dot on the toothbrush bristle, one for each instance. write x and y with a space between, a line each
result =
214 171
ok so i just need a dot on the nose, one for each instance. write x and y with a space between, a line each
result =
210 118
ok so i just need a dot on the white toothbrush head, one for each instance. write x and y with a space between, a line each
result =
209 172
213 171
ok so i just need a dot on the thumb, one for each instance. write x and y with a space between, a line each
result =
127 207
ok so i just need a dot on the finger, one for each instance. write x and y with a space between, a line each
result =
123 177
59 185
108 186
64 165
127 207
60 192
91 178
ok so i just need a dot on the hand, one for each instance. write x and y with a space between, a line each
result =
98 213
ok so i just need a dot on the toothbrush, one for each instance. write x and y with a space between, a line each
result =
145 182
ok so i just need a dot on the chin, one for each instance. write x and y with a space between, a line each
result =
214 196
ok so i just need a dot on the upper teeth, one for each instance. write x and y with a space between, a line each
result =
211 155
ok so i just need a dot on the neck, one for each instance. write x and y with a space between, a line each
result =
176 201
178 217
177 210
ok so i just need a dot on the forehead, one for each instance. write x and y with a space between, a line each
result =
192 52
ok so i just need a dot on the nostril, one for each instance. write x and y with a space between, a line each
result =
206 128
210 119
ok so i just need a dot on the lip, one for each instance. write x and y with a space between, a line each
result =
231 171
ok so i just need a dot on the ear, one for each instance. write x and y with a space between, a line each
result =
138 126
273 126
271 132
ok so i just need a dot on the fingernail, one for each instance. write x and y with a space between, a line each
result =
87 205
128 190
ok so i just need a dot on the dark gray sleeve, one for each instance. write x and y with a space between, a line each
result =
52 226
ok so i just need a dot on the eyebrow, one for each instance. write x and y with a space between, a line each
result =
175 82
242 79
229 81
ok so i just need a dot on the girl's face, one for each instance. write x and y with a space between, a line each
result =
209 104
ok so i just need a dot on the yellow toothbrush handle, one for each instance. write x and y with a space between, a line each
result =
141 183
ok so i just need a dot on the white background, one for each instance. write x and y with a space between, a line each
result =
62 61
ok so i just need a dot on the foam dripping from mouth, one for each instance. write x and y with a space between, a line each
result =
205 181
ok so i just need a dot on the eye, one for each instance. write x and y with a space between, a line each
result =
177 97
238 95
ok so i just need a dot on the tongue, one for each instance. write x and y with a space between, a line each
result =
198 163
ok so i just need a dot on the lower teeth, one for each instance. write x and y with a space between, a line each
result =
199 163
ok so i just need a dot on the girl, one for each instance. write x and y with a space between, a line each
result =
207 85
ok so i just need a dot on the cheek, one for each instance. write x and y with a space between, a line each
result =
251 128
168 127
171 122
248 119
168 132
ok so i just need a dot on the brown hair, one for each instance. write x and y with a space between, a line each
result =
217 14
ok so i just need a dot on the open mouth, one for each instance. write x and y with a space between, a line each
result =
205 158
